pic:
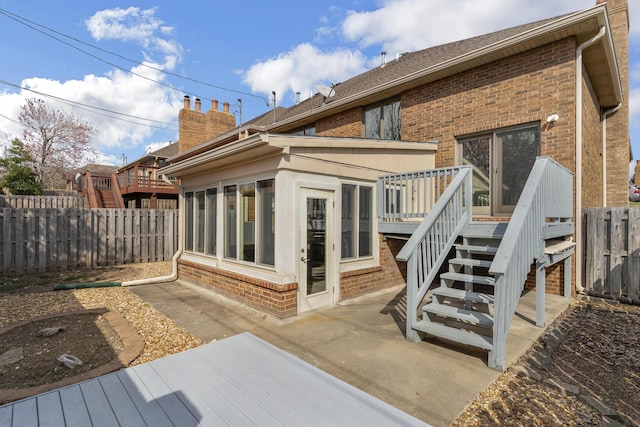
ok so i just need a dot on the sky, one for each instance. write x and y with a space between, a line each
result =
126 66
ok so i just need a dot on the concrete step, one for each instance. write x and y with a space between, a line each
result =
471 316
454 334
471 262
462 295
468 278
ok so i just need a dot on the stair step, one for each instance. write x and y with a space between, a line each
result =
485 230
454 334
463 295
471 262
468 278
477 249
471 316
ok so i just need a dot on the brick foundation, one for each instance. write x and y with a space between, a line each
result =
554 281
278 300
390 272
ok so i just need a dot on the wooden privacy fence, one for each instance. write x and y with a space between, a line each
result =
36 241
24 202
612 252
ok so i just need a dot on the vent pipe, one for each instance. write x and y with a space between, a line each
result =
383 59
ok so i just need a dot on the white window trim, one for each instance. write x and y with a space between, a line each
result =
373 260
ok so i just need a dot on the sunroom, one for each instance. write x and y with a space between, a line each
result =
276 221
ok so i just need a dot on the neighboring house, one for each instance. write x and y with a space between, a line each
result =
310 205
133 186
93 182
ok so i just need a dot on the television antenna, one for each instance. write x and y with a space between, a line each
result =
326 92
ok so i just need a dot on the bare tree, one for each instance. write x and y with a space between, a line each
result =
56 140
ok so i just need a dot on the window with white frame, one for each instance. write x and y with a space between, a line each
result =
249 223
382 121
200 221
357 226
212 216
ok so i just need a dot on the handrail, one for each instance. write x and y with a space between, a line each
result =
548 193
91 192
411 195
117 193
429 246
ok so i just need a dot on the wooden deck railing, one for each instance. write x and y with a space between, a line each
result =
548 194
429 246
127 178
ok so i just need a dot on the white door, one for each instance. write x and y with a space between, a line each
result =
316 287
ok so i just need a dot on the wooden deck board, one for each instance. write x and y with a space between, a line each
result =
240 380
149 408
203 380
50 410
97 404
73 406
124 409
315 397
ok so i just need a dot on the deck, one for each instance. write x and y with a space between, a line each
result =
241 380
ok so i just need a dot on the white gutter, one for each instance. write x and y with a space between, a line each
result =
174 261
604 150
578 218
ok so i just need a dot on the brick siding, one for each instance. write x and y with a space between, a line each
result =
390 272
278 300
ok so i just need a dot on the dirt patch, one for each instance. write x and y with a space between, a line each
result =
583 371
89 337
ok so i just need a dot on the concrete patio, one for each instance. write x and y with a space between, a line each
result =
362 342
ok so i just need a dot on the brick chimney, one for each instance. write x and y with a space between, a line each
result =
218 123
196 127
618 143
191 126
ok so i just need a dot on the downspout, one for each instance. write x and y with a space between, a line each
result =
174 261
578 220
604 150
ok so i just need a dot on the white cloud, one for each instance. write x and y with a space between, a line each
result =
117 91
136 25
401 25
301 68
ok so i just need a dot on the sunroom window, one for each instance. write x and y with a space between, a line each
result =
357 209
200 221
251 228
382 121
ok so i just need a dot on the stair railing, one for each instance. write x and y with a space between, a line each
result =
91 191
117 192
429 246
548 193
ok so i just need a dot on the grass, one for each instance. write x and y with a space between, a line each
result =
14 284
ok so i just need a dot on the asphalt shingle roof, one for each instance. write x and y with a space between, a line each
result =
405 65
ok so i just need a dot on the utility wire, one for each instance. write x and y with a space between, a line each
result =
22 20
92 108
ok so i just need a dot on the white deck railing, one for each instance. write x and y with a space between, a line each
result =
429 246
547 194
412 195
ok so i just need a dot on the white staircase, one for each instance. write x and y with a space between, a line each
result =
461 309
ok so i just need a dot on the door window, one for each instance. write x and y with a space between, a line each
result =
501 163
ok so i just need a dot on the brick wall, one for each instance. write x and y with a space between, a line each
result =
346 124
278 300
196 127
521 89
389 273
591 148
618 143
